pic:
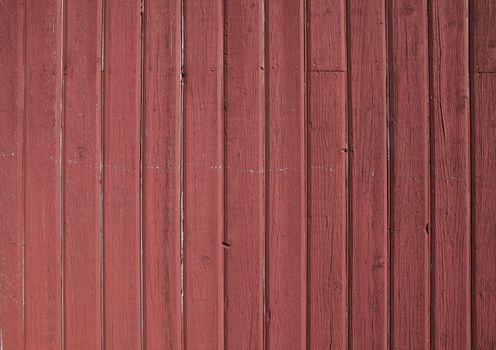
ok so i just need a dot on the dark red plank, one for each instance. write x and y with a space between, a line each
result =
485 224
161 175
450 176
286 209
81 174
483 167
203 174
484 36
327 241
326 35
409 174
244 216
11 173
327 257
368 175
484 210
121 177
43 101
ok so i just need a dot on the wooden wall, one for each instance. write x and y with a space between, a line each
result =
247 174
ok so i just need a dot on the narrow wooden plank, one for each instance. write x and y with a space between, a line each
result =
483 169
327 279
11 174
484 36
327 236
81 174
43 292
286 263
203 161
161 175
121 177
409 174
244 217
450 176
484 209
368 174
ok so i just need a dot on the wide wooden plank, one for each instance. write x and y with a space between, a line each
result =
409 174
43 101
11 173
286 209
161 175
244 215
368 175
483 170
203 174
450 176
327 138
81 174
121 175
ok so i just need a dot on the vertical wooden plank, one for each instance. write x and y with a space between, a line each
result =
81 174
484 36
244 239
286 208
483 167
327 175
11 173
368 174
203 161
121 178
484 209
409 173
161 175
450 175
43 301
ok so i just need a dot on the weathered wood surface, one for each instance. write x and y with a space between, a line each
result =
42 180
161 175
327 169
450 176
81 157
368 248
203 175
196 174
244 240
409 176
285 171
121 175
483 153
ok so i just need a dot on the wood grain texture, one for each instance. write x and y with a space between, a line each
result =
484 36
161 175
327 280
81 174
450 176
326 35
121 177
11 174
244 215
483 168
43 102
368 175
286 207
327 142
484 209
409 174
203 174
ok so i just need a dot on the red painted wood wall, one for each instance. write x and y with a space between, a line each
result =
247 174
